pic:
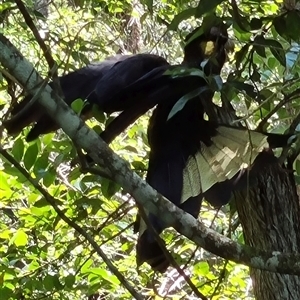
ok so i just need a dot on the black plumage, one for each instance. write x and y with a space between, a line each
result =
192 158
160 86
95 83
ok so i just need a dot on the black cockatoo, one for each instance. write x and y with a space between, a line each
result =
94 83
190 157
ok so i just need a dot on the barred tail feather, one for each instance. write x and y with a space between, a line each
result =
232 149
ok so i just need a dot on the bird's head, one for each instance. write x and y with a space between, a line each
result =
208 46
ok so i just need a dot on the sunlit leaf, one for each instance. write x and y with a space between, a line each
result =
20 238
202 268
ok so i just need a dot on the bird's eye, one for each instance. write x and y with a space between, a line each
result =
207 47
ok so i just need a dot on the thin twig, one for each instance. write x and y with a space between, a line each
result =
287 98
46 51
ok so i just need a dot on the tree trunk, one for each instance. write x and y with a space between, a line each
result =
270 216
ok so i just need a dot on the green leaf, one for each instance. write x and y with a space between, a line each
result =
41 203
20 238
40 211
69 281
41 165
241 35
277 50
243 87
206 6
259 46
51 282
105 275
109 188
184 71
97 129
49 177
39 14
11 170
149 4
6 5
131 149
280 26
255 76
201 268
240 23
266 94
4 186
298 167
293 25
272 62
186 14
30 156
256 24
5 234
6 293
86 267
179 105
77 105
98 114
138 165
240 55
18 149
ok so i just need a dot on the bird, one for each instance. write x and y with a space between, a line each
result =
94 83
192 158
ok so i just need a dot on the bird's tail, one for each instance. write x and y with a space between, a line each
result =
148 250
21 119
217 169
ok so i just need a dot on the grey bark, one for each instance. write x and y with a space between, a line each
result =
270 215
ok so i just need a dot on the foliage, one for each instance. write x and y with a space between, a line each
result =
41 255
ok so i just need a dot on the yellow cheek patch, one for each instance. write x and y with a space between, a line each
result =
208 47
